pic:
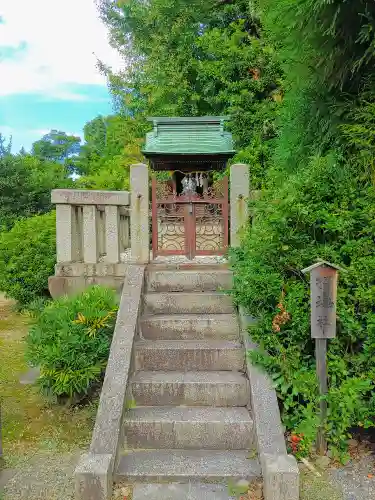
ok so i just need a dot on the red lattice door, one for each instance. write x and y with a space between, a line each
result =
189 223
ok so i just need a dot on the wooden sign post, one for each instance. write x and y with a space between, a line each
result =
323 286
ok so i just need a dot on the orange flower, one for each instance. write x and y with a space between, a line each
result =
295 438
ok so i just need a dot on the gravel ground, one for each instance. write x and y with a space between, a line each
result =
357 479
48 476
44 476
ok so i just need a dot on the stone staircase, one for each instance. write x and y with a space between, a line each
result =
191 422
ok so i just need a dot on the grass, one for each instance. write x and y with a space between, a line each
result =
31 422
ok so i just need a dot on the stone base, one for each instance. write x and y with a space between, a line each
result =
93 477
60 285
281 477
79 269
72 278
176 491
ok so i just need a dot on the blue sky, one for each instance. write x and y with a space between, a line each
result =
48 67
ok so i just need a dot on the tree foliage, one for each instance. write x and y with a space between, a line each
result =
25 186
112 144
194 58
5 147
56 146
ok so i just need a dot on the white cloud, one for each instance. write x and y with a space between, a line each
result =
33 132
64 40
66 95
40 132
6 130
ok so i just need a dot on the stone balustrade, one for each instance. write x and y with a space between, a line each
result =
92 239
91 226
99 233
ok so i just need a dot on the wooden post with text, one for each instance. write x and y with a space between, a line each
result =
323 288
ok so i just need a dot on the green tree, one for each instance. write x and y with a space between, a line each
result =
57 146
107 137
5 149
25 186
198 58
112 144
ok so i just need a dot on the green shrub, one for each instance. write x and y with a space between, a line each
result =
323 211
36 307
70 341
27 258
319 203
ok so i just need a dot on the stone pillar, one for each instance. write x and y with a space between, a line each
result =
67 243
139 222
239 197
90 234
112 234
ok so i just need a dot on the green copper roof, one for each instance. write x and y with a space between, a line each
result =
189 136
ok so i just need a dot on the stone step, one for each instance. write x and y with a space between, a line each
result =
190 326
179 491
189 303
186 466
190 388
194 265
189 355
185 280
189 428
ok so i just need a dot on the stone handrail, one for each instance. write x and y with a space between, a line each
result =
91 226
94 473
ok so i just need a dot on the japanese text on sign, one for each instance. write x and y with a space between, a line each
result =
323 303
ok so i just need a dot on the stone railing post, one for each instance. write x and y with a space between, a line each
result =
112 233
139 218
67 238
90 234
239 197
